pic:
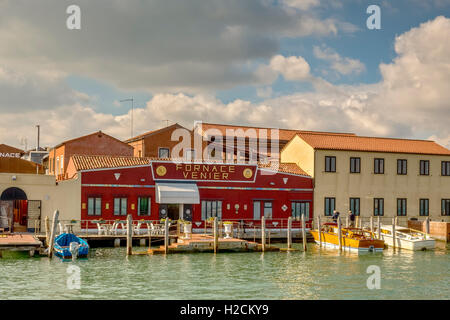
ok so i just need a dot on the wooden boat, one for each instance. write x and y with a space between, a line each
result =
353 239
407 238
68 245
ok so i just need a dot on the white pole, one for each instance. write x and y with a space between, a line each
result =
53 233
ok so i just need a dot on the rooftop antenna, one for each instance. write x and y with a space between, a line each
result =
132 107
167 122
38 136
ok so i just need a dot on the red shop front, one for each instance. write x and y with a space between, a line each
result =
196 191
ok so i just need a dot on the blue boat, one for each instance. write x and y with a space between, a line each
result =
68 244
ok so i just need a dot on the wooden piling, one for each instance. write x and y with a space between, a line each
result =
129 235
346 222
216 235
166 235
149 236
304 232
53 233
394 222
289 233
47 230
339 232
263 233
319 229
356 221
427 225
379 227
371 224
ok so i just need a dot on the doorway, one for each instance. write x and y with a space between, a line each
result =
171 211
14 210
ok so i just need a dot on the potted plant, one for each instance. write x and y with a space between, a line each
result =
228 226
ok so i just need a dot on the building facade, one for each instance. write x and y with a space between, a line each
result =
192 191
161 143
97 143
374 176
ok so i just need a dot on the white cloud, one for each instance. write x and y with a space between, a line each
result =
411 100
193 46
342 65
301 4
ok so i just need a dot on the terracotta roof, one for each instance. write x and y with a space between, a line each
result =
149 133
4 148
372 144
284 167
85 162
284 134
85 136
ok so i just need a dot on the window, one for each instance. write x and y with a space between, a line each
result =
355 165
94 206
268 209
378 166
424 167
330 164
57 166
401 207
120 206
424 207
62 164
299 208
354 206
330 206
402 166
144 205
211 208
445 168
164 153
445 210
378 207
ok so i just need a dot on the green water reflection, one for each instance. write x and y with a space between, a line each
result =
316 274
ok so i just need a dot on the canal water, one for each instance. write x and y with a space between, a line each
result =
316 274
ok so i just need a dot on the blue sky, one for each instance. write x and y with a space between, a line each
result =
303 64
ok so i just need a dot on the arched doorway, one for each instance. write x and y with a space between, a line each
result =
14 210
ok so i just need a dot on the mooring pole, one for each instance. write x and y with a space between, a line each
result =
304 232
129 235
166 235
263 233
394 221
339 232
47 230
149 235
346 221
216 235
427 225
379 227
319 229
289 234
53 233
371 224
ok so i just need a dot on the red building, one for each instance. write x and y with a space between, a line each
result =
112 187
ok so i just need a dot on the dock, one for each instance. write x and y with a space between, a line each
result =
205 243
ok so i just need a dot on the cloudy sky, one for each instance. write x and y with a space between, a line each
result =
303 64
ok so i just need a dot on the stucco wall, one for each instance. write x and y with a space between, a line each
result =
366 185
64 196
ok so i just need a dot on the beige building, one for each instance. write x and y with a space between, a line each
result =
374 176
27 199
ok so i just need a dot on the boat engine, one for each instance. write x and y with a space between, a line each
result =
73 248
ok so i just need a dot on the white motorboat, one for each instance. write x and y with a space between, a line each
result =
407 238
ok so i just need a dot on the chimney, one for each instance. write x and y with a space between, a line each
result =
37 139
